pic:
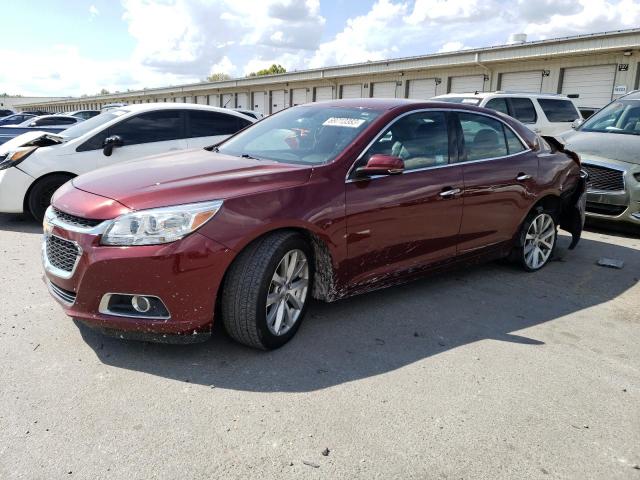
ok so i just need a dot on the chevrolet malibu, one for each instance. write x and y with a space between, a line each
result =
322 200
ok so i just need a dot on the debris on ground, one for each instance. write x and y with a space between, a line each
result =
325 452
611 263
311 464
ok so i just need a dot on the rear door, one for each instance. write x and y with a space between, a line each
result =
400 222
500 175
148 133
208 128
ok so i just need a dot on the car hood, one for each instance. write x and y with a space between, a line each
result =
187 177
27 139
612 146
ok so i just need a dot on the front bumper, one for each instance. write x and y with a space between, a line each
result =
14 184
185 274
616 206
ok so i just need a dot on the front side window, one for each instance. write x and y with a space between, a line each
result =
421 140
208 124
498 104
522 109
484 138
622 117
307 134
558 110
158 126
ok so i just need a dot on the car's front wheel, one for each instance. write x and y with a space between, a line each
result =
537 240
40 194
267 289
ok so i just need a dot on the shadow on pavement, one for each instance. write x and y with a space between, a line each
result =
21 223
382 331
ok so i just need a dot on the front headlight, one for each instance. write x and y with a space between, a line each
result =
159 225
16 156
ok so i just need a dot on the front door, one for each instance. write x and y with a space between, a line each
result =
500 175
399 222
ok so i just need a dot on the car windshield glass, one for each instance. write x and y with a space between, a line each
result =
94 122
306 134
467 100
622 117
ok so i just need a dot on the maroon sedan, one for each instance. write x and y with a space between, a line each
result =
325 200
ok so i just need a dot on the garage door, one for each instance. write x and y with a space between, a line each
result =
277 100
227 100
201 99
242 100
258 102
589 86
351 91
422 89
298 96
384 90
521 81
323 93
468 84
214 100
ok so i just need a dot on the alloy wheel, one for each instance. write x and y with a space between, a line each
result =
539 241
287 292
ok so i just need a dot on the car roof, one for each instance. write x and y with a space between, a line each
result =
504 94
148 107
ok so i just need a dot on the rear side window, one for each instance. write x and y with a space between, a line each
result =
483 138
498 104
522 109
150 127
209 124
54 121
558 110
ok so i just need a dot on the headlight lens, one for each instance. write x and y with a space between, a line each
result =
159 225
16 156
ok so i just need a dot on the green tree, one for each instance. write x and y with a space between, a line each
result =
272 70
218 77
104 91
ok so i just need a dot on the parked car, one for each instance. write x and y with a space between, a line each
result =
84 114
48 123
609 145
47 161
251 113
4 112
325 199
110 106
545 114
16 119
37 112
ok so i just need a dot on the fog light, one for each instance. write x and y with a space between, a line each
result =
140 304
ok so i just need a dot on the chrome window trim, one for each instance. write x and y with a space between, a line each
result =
51 219
54 270
348 178
103 307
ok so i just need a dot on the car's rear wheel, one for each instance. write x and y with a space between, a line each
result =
267 289
40 195
537 240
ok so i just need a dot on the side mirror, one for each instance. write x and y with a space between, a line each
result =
576 123
380 164
110 143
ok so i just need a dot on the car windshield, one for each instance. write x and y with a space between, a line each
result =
94 122
467 100
621 117
306 134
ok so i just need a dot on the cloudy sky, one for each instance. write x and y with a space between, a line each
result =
81 46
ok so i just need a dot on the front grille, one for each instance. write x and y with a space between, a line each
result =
76 221
603 178
64 295
605 209
62 254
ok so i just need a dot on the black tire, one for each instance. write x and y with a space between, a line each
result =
522 253
40 195
246 285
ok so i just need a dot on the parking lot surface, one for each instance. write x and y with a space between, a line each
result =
483 373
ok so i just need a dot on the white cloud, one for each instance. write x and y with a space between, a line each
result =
93 12
224 66
451 47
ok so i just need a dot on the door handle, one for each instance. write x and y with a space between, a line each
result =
449 192
523 177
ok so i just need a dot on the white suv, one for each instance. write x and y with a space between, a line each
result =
33 165
544 113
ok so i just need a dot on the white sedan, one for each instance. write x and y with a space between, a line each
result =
35 164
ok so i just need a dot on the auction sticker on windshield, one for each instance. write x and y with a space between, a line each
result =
343 122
